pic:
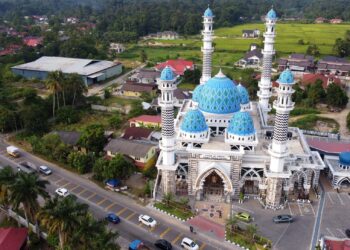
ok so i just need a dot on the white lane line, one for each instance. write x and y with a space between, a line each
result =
330 198
290 210
330 232
301 213
341 232
313 210
279 239
341 201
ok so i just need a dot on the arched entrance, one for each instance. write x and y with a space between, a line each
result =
344 184
213 188
250 180
181 179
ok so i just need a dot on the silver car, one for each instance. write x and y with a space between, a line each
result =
284 218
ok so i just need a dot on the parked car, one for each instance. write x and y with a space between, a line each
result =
187 243
45 170
283 218
147 220
63 192
137 245
243 216
163 244
27 167
111 217
347 232
13 151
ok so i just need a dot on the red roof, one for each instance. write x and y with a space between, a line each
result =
136 133
326 80
33 41
147 118
338 244
178 65
334 147
13 238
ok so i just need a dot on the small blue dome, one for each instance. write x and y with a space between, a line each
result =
219 95
344 158
271 14
286 77
243 94
208 13
197 93
241 124
167 74
194 122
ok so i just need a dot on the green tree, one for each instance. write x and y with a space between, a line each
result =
143 56
168 198
118 167
62 216
115 121
299 95
232 223
313 50
77 87
93 138
336 96
7 177
33 122
80 161
67 115
7 119
251 232
53 83
99 168
192 76
315 92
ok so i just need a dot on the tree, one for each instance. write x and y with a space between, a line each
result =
143 56
53 83
25 191
7 119
80 161
168 198
299 95
93 138
76 86
232 222
251 231
67 115
348 121
192 76
63 216
118 167
115 121
315 92
313 50
34 119
336 96
99 168
301 42
7 177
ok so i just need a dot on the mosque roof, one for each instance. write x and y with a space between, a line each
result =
242 124
197 93
194 122
344 158
167 74
219 95
271 14
243 94
286 77
208 13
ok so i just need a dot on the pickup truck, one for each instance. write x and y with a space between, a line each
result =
27 167
13 151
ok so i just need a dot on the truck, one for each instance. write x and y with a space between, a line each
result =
27 167
13 151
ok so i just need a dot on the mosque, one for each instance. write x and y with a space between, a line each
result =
220 146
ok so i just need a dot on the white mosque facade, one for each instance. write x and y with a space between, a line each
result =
219 145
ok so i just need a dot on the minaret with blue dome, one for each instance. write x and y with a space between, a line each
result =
207 49
244 97
265 85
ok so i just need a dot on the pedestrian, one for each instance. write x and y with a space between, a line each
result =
191 229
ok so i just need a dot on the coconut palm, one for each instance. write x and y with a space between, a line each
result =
251 231
53 83
7 177
168 198
76 84
25 191
232 223
62 216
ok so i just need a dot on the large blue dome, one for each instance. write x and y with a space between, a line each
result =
344 158
271 14
167 74
194 122
208 13
197 93
243 94
219 96
286 77
241 124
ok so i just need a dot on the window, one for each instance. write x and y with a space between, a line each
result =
137 158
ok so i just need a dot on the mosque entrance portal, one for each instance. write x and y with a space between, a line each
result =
213 188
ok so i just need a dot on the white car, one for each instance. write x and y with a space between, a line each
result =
147 220
45 170
187 243
62 192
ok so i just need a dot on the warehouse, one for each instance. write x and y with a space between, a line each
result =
92 71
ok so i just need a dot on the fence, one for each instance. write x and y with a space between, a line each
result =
106 108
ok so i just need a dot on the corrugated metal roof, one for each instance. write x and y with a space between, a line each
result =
67 65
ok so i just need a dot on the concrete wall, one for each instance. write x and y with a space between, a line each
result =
30 74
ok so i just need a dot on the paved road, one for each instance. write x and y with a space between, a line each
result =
102 201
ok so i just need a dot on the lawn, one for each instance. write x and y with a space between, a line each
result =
314 122
180 213
241 237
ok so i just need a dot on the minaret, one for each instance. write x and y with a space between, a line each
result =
278 150
265 85
207 48
166 84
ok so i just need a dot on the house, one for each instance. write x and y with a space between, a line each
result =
91 71
152 121
10 50
145 76
32 41
326 80
70 138
335 21
178 66
334 243
13 238
320 20
166 35
253 58
137 133
250 33
143 153
297 63
333 65
72 20
116 47
133 89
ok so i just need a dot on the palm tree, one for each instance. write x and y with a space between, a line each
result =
25 191
53 83
232 223
77 84
63 216
7 177
251 231
167 198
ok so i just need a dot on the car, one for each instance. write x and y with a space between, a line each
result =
347 232
45 170
147 220
111 217
187 243
163 244
63 192
243 216
283 218
27 167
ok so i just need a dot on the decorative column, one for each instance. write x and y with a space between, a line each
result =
265 85
167 168
207 48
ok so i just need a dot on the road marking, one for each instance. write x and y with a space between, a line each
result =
301 213
202 246
290 210
313 210
330 232
74 188
176 239
341 232
279 239
82 191
60 179
341 201
329 196
121 211
66 184
164 232
92 195
129 216
152 229
244 209
100 202
107 208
